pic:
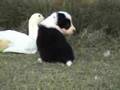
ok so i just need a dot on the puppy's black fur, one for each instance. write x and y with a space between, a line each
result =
63 22
52 45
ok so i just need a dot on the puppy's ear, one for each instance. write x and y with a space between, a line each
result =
63 21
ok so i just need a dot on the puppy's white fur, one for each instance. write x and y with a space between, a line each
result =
51 21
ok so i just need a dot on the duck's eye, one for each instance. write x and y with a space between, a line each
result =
39 15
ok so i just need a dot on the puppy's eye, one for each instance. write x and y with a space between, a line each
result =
67 24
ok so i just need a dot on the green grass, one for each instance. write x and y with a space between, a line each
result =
91 70
98 26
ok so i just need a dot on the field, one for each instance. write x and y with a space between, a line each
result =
96 46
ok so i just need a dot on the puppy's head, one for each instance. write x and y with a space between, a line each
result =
62 21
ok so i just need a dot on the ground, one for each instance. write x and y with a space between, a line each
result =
95 68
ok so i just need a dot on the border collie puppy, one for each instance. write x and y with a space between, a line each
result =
51 42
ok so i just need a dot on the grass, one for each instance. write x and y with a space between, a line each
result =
90 71
97 23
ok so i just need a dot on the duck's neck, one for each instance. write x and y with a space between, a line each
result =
32 30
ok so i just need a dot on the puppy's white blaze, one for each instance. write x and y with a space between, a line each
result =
39 60
69 63
66 14
34 21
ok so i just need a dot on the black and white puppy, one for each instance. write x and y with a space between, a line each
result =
51 42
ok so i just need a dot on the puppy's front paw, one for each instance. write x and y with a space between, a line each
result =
69 63
39 60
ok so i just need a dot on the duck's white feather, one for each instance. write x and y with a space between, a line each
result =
19 42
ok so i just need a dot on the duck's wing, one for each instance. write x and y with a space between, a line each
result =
11 35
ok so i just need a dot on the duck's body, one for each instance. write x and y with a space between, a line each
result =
13 41
17 42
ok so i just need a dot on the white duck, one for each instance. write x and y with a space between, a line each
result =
13 41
